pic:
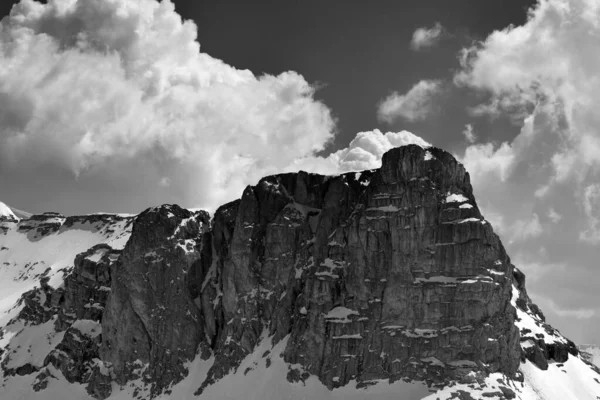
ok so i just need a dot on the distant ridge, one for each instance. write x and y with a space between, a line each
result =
381 284
20 213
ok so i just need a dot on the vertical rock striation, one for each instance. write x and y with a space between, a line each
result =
151 325
385 274
382 274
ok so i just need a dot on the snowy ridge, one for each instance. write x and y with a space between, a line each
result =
570 380
45 246
6 212
42 246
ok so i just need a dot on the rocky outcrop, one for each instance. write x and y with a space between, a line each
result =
80 308
39 306
40 225
76 355
414 284
385 274
57 326
540 342
87 287
151 322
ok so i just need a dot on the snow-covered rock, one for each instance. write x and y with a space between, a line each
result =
382 284
6 213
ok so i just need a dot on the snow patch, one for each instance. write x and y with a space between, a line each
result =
455 198
340 315
356 336
428 156
97 256
88 327
388 208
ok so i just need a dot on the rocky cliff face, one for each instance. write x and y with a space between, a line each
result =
152 325
385 274
382 274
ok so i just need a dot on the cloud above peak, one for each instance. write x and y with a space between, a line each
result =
424 37
119 95
536 71
88 84
543 75
364 152
415 105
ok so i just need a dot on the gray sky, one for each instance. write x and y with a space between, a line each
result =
119 106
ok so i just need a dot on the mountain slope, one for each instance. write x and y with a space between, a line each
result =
12 213
6 212
381 284
36 255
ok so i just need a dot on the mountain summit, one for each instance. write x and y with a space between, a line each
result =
382 284
11 213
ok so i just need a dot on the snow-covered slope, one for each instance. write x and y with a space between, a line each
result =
262 376
46 245
39 252
6 212
39 249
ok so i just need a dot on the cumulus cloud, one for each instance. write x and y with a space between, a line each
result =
582 313
364 152
554 216
424 37
562 297
119 94
468 133
535 70
528 228
544 75
87 84
513 230
415 105
482 160
591 206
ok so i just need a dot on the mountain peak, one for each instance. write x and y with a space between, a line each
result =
11 213
367 283
6 212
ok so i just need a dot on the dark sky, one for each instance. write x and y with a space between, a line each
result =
358 51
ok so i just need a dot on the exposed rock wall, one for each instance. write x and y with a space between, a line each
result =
384 274
540 342
423 282
87 287
151 322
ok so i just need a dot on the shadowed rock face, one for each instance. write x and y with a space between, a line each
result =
384 274
424 282
87 288
151 323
